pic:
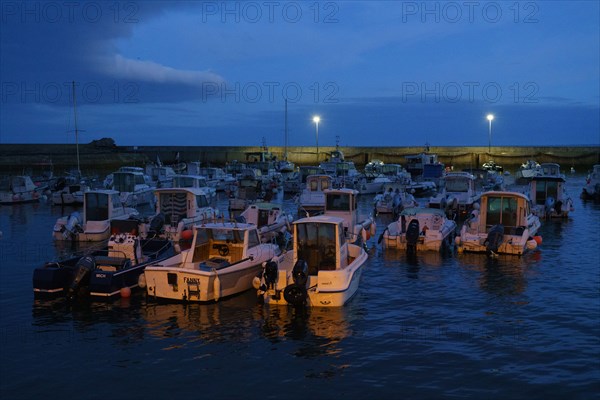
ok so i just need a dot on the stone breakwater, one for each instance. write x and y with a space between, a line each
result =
14 158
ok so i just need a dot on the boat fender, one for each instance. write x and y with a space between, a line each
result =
217 287
531 244
538 240
295 295
373 229
256 281
142 281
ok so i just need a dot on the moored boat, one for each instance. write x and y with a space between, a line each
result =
222 261
270 218
324 271
457 194
591 189
548 193
420 229
100 207
103 272
503 224
19 189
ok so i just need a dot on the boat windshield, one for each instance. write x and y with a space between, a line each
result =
501 210
96 207
124 182
316 244
545 189
457 185
338 202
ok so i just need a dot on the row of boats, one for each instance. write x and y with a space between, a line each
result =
189 252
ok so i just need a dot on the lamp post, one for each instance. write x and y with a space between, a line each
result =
490 117
316 120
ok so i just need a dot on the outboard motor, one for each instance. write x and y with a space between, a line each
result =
494 238
270 274
73 225
296 294
549 206
81 276
412 235
300 273
156 225
558 207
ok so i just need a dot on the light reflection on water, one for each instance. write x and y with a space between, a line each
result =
428 326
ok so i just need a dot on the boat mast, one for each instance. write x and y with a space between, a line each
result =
76 132
285 154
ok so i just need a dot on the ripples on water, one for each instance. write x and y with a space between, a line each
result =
431 326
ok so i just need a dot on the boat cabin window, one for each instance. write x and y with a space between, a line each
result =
501 210
545 189
457 185
324 184
201 201
173 206
338 202
313 185
124 182
316 244
253 239
96 206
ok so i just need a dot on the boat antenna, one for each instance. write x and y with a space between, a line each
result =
285 153
76 131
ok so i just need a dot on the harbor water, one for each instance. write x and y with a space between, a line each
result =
458 326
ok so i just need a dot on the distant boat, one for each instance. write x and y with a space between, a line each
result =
19 189
548 193
100 207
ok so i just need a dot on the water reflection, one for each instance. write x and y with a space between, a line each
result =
502 275
414 262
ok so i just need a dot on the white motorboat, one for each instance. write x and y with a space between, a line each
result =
100 207
591 190
312 197
324 271
548 193
178 210
223 260
19 189
393 200
70 195
420 229
194 181
270 218
134 186
526 171
503 224
457 195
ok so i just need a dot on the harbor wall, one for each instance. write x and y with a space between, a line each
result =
15 158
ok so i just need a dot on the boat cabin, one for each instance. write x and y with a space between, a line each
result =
101 205
510 209
342 203
321 242
219 245
179 203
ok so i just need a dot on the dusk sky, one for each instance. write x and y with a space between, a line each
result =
390 73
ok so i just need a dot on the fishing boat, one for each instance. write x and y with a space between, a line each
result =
222 261
420 229
324 270
177 211
19 189
105 272
457 195
591 190
312 197
503 224
270 218
100 207
548 193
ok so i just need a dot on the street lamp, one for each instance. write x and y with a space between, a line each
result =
490 117
316 120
